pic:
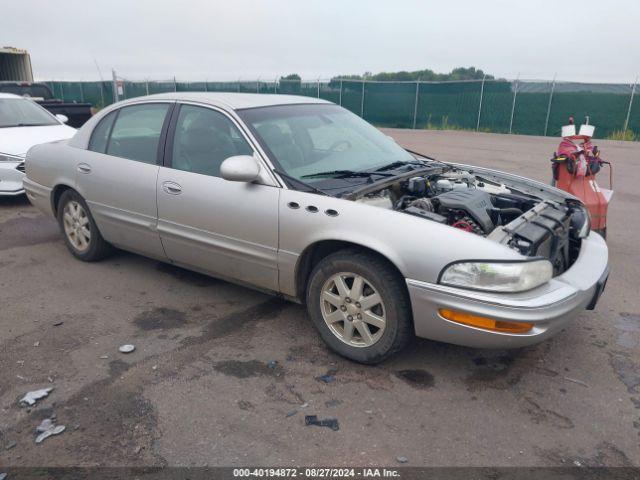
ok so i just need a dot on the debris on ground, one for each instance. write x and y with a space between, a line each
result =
127 348
3 476
579 382
11 445
304 405
104 357
48 428
272 364
291 413
57 324
402 459
331 423
328 377
32 397
334 402
36 344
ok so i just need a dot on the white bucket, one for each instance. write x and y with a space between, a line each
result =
587 130
569 131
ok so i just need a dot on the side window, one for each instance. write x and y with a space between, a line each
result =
136 132
204 139
100 134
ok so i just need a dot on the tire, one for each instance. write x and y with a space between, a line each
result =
79 230
330 306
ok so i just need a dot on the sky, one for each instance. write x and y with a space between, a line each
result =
580 40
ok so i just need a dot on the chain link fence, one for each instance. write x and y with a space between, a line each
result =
501 106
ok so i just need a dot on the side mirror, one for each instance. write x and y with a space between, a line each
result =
62 118
240 168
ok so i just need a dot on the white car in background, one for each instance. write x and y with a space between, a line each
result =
23 124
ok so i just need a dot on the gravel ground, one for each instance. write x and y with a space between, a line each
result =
200 389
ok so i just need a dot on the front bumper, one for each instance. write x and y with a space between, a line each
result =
549 307
11 179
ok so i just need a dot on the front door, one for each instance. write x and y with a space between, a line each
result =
227 229
118 175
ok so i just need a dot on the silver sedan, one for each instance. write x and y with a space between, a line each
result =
300 197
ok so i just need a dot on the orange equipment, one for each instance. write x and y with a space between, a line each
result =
575 166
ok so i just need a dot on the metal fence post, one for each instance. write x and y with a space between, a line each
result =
275 85
147 86
175 85
318 88
102 93
114 80
62 91
546 122
513 105
362 102
81 93
415 105
258 85
340 96
633 92
480 104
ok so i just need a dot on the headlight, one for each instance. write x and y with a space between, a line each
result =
5 157
498 276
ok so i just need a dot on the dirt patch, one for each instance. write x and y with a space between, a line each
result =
492 372
420 379
606 455
23 231
539 415
160 318
251 368
627 371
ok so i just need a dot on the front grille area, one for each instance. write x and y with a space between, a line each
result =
20 167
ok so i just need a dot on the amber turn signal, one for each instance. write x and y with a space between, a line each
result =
485 323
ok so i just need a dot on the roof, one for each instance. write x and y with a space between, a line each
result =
235 101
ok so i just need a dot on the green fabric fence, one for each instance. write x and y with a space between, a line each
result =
501 106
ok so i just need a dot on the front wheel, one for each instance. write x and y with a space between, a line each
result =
360 305
80 232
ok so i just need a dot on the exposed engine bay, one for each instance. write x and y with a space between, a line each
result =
527 223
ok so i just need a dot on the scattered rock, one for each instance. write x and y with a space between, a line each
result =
127 348
48 428
331 423
36 344
402 459
10 445
328 377
579 382
272 364
334 402
57 324
291 413
32 397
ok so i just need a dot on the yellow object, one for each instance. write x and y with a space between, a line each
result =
485 323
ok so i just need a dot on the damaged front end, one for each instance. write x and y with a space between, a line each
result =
527 216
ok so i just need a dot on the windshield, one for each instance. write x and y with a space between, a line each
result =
19 112
304 140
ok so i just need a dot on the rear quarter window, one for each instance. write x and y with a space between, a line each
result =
100 135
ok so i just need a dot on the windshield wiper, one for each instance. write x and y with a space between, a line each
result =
304 184
345 174
399 163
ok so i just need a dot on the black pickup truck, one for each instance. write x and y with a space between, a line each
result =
77 113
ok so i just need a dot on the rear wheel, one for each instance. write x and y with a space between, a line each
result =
360 306
79 229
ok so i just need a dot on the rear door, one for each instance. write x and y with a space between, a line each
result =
227 229
118 175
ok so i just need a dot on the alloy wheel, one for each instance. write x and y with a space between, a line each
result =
353 309
77 227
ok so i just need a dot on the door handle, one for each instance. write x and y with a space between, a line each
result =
172 188
84 168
